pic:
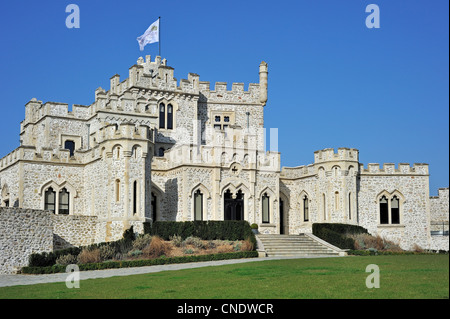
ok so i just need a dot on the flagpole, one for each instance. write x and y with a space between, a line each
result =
159 36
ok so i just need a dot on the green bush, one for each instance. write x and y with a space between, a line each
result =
337 234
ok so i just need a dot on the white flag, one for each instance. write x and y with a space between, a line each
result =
150 36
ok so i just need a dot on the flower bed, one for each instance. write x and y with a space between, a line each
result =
145 250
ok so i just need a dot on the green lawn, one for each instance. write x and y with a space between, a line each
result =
411 276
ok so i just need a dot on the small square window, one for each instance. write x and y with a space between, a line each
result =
226 119
218 127
217 118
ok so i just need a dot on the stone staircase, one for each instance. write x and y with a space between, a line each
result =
303 245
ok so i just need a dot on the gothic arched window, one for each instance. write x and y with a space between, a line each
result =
265 209
162 116
63 202
50 200
169 117
305 209
384 210
135 197
395 210
198 205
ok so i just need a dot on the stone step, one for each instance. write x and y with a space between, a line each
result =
294 245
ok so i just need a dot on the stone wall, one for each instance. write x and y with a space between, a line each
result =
439 206
73 231
412 190
22 233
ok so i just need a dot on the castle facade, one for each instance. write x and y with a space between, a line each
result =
152 148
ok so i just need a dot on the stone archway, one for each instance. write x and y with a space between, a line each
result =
233 205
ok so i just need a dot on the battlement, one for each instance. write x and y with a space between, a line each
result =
29 153
35 110
237 94
389 168
122 131
127 131
329 155
154 75
298 171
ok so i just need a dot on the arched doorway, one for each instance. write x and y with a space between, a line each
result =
233 205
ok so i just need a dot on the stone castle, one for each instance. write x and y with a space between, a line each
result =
152 148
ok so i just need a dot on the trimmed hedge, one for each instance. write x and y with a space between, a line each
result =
141 263
336 234
206 230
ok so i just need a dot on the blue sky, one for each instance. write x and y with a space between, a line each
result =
332 81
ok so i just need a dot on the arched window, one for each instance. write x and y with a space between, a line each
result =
135 197
50 200
265 208
162 116
349 205
135 151
395 210
336 201
198 205
70 145
63 202
153 207
324 207
305 208
117 190
384 210
161 151
169 117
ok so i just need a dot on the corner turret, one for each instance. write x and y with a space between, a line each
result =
263 73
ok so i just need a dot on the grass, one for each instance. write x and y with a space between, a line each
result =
411 276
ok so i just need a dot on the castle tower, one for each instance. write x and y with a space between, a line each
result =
337 186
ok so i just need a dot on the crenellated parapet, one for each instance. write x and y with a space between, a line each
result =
329 155
36 110
128 131
237 94
150 75
298 172
390 169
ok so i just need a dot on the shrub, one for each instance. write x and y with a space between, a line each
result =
176 240
338 234
156 248
224 249
89 256
194 241
141 242
128 235
66 260
188 251
254 226
107 252
367 241
247 245
211 244
135 253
